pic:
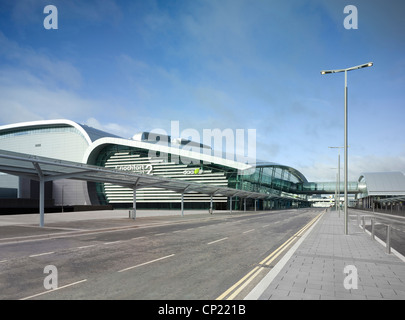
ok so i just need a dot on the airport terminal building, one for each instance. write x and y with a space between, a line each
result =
146 154
163 156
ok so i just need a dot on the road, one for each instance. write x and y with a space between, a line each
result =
198 259
397 235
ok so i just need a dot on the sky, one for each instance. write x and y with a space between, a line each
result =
131 66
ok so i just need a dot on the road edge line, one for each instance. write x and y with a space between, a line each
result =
259 289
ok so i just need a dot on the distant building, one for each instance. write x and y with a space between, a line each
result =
381 190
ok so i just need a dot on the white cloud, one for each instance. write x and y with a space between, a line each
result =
37 86
326 170
47 69
25 103
114 128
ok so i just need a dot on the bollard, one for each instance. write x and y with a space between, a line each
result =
363 223
388 241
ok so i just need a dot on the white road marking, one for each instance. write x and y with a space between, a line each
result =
137 238
217 240
41 254
84 247
65 286
249 231
112 242
142 264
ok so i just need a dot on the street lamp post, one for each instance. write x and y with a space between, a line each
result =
338 178
345 140
336 190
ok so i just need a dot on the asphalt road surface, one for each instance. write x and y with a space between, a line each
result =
397 235
198 259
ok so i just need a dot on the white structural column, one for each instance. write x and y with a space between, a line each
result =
134 199
41 201
134 204
182 199
41 193
182 204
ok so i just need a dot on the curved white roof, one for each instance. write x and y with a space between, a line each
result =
89 133
384 183
203 156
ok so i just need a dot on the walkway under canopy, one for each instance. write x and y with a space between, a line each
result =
45 169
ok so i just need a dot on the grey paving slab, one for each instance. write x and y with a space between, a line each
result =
316 269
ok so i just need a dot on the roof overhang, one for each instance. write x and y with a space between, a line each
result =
39 123
199 154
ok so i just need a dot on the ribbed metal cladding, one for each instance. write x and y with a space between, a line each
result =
147 165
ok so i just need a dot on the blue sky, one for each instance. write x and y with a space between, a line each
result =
130 66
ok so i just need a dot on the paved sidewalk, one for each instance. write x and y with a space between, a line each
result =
316 269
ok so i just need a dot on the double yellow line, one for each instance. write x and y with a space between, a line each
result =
233 291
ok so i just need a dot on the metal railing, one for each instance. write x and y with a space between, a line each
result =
395 209
384 219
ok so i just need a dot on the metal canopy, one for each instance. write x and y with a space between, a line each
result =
391 200
45 169
34 167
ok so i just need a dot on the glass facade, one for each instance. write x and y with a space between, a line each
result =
326 187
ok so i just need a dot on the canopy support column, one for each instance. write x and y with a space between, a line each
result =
41 201
134 200
134 204
182 204
41 193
